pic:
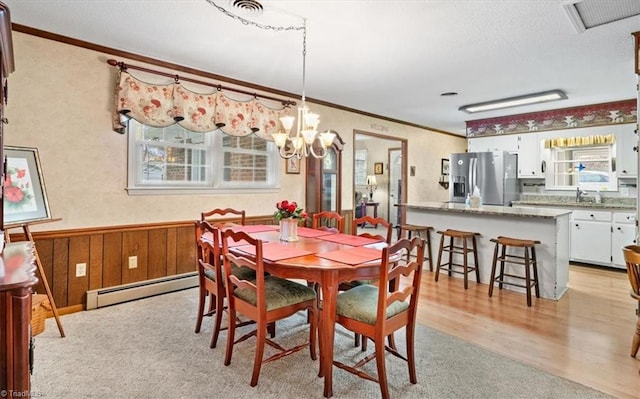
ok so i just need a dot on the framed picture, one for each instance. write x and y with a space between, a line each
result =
377 168
444 167
25 197
293 165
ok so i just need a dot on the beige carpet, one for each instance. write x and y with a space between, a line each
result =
147 349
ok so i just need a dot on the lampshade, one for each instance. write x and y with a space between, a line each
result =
371 180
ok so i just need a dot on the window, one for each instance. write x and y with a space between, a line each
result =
360 165
589 167
174 159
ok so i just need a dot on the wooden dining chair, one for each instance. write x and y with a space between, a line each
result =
214 214
344 286
210 278
376 312
264 299
632 259
362 221
327 220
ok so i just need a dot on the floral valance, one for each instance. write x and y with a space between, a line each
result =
580 141
162 105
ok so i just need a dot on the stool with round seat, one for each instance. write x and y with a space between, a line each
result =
423 232
527 259
462 243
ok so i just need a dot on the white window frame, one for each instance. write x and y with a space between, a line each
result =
611 185
214 154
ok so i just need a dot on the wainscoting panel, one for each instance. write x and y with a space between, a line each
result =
162 250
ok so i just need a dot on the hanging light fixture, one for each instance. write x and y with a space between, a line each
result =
305 139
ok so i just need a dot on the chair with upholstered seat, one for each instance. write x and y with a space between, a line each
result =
376 312
263 299
632 259
344 286
327 220
210 277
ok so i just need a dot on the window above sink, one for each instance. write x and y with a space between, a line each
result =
589 167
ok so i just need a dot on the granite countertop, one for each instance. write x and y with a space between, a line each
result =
489 210
570 202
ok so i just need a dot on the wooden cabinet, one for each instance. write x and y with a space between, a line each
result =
529 162
627 151
623 233
17 276
591 236
324 180
507 142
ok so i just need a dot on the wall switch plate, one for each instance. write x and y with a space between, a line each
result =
624 191
81 269
133 262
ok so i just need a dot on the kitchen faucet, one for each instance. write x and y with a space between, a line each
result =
580 194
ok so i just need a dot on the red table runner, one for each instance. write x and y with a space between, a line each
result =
349 239
309 233
274 251
254 228
353 256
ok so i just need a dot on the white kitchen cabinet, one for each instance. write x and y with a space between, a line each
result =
623 233
626 151
507 142
591 236
529 163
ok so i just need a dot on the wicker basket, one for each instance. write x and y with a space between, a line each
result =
39 307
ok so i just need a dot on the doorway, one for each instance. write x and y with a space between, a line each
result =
383 157
395 184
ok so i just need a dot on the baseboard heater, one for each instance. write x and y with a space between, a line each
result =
129 292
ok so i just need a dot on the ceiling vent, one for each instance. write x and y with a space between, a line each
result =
252 6
587 14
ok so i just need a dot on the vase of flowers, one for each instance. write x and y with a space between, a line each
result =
289 215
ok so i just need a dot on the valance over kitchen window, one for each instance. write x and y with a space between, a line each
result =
161 105
580 141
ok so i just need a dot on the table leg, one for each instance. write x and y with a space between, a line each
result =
329 299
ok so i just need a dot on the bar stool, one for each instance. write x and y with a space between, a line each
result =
423 232
462 248
528 260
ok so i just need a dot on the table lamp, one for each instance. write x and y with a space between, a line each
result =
372 184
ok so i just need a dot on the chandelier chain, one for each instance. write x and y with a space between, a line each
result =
249 22
304 59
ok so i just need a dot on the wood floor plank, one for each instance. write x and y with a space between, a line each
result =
585 336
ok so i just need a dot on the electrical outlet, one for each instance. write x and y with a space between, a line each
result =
624 191
133 262
81 269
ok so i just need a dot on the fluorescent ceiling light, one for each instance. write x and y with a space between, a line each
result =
527 99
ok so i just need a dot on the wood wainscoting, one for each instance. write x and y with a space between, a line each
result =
162 250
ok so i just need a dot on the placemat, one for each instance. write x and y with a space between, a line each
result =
349 239
254 228
308 232
274 251
353 256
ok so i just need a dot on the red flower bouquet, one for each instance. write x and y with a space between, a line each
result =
286 209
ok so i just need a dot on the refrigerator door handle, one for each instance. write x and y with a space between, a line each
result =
474 175
470 174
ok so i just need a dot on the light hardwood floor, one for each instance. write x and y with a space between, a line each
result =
585 336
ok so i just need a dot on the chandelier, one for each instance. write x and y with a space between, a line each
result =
305 140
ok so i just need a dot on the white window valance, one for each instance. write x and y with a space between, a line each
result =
161 105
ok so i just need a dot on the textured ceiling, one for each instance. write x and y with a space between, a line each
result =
391 58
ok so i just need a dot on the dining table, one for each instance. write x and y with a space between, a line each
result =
323 257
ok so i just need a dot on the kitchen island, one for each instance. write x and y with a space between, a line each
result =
550 227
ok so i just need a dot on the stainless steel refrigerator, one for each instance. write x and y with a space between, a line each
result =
494 173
